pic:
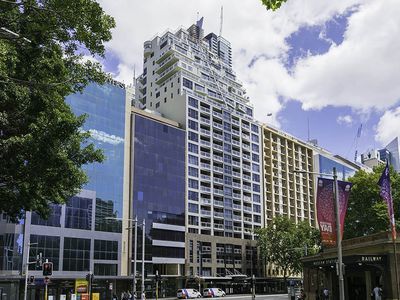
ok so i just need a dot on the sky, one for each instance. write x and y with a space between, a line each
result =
321 68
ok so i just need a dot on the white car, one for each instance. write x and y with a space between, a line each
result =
188 294
213 292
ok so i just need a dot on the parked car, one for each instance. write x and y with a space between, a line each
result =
188 294
213 292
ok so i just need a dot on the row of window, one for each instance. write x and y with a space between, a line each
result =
76 252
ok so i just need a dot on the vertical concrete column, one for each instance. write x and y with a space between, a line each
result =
368 284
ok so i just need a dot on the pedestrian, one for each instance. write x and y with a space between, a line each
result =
144 295
325 294
302 295
377 292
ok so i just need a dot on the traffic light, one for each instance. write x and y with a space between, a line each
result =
31 280
47 269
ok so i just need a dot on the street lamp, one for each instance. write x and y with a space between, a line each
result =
338 231
135 226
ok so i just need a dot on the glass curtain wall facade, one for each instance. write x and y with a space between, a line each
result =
326 166
159 193
67 238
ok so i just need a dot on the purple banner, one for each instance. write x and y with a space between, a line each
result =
386 194
326 208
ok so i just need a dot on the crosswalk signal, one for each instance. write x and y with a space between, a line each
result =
47 269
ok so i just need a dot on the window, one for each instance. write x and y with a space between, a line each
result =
256 177
256 208
157 104
256 168
78 213
76 254
254 128
157 94
53 220
172 95
227 137
227 158
187 83
228 180
193 125
255 148
193 208
254 137
256 198
256 188
194 160
193 148
228 170
194 184
193 102
49 246
193 114
227 148
227 191
255 157
165 89
192 195
105 269
165 100
193 220
193 172
227 126
193 136
172 84
105 250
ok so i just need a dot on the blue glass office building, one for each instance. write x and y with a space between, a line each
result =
78 237
326 165
158 159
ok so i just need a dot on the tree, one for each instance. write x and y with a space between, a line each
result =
366 211
273 4
283 243
42 147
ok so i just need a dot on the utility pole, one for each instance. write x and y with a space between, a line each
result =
134 258
253 296
27 263
156 284
339 237
143 248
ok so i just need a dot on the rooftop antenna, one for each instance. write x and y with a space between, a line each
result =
221 21
134 76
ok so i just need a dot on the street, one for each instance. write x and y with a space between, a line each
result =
258 297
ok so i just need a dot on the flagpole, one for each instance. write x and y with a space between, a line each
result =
396 265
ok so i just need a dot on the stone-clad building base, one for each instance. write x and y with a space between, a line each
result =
369 261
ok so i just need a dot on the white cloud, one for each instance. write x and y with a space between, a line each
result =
104 137
388 126
347 120
362 72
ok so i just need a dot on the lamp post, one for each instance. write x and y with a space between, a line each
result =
135 226
339 266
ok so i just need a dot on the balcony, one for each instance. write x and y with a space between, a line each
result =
219 192
202 108
218 203
205 177
217 125
219 147
218 136
234 142
237 196
218 158
205 121
247 208
218 214
205 166
237 153
239 207
206 212
205 154
218 180
205 143
205 224
205 132
218 169
217 114
237 228
205 189
237 185
236 163
219 226
247 198
234 131
205 201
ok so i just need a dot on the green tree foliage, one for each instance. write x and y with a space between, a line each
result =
42 148
367 212
273 4
283 243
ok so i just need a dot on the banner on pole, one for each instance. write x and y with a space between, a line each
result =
326 208
386 194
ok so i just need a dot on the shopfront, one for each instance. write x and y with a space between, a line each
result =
368 262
